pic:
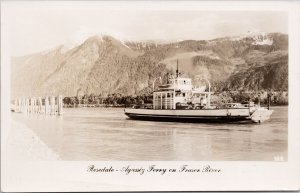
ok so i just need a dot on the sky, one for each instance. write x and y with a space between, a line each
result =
35 28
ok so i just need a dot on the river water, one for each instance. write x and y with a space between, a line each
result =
97 134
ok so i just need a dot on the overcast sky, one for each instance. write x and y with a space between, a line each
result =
38 28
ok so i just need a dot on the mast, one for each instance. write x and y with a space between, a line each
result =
177 72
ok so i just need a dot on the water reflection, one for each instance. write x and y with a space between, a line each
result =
106 134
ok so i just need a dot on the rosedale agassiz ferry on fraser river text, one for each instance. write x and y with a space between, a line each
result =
179 101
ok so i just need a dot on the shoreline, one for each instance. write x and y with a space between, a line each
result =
118 107
20 143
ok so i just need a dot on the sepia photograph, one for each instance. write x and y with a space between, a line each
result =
99 82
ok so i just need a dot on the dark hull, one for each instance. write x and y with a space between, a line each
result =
189 119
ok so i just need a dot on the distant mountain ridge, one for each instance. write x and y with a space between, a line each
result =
104 65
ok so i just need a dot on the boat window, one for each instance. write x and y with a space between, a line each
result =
168 95
183 94
184 82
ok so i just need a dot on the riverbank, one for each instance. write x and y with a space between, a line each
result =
274 98
22 144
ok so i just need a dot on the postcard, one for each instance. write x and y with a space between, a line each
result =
150 96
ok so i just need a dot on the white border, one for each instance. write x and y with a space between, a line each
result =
72 176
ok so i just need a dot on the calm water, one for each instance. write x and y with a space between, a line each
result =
107 134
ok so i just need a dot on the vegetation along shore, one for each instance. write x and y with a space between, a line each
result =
118 100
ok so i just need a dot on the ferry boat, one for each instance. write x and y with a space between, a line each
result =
179 101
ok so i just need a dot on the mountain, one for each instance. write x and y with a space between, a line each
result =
104 65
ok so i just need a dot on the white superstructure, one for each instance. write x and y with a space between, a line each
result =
179 90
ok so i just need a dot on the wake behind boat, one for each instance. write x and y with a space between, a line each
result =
179 101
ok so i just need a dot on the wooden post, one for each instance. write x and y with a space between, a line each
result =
23 105
31 105
59 105
27 105
19 104
46 105
15 105
34 105
52 104
39 105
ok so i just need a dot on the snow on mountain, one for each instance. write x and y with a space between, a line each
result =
105 65
258 37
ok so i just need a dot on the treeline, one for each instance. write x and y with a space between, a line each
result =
113 100
276 97
118 100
